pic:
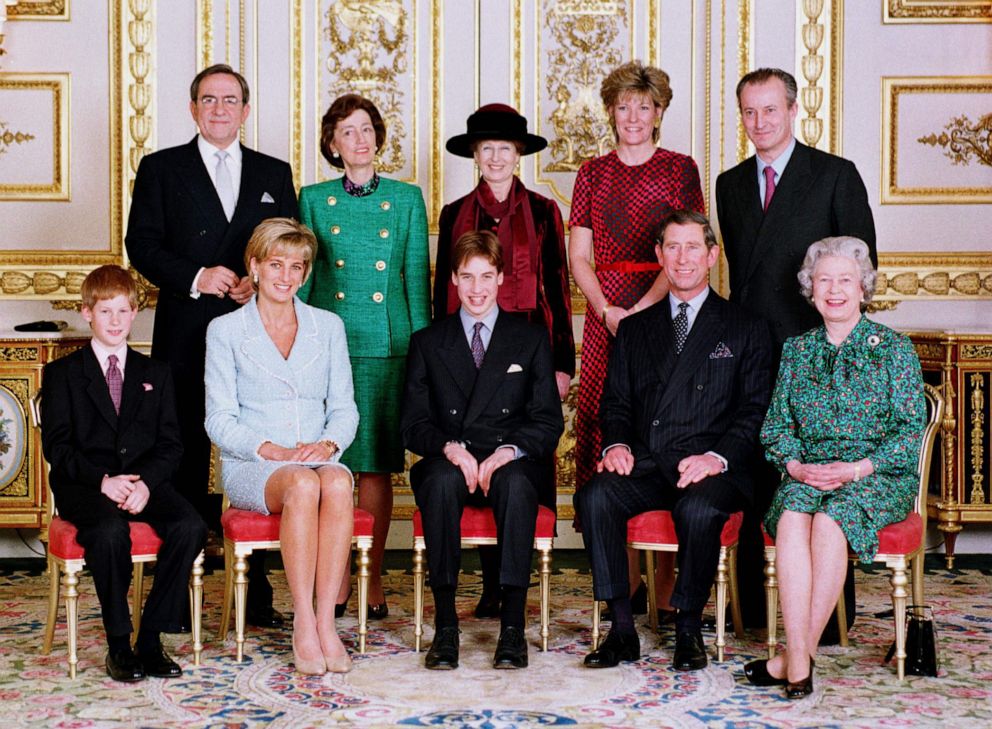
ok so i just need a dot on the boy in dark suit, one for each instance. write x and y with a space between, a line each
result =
481 406
111 435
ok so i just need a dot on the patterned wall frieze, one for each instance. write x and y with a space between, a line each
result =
940 276
936 11
139 89
819 25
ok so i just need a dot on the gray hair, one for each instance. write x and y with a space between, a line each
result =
844 246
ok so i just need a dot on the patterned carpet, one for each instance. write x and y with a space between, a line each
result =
389 686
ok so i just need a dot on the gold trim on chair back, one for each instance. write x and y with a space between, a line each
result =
935 415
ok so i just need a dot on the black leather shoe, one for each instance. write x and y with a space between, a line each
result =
443 655
158 664
690 654
124 666
511 649
800 689
489 605
377 612
264 617
615 648
756 672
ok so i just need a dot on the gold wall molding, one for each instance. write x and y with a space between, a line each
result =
745 64
963 139
893 90
204 33
941 11
139 90
57 84
930 276
819 32
39 10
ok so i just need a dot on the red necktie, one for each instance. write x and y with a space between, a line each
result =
115 382
769 186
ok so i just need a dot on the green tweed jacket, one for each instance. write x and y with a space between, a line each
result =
372 267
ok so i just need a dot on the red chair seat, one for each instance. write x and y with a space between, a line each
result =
657 527
902 537
63 545
241 525
479 522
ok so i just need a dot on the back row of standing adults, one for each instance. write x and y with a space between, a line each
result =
194 208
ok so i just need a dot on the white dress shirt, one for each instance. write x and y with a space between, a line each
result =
103 354
233 162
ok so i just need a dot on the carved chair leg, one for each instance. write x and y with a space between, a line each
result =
228 602
54 583
595 623
418 596
69 582
196 607
240 600
545 570
771 600
649 566
899 596
842 620
363 595
721 604
735 595
138 593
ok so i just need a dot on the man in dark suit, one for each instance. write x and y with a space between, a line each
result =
481 406
767 227
111 436
686 390
193 209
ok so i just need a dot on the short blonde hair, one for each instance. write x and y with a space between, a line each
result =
843 246
635 78
105 283
281 235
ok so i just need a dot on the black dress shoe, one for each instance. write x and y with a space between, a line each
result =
615 648
377 612
802 688
124 666
489 605
511 649
690 653
756 672
443 655
264 617
158 664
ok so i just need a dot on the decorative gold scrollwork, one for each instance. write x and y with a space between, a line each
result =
139 94
7 137
812 67
977 381
963 140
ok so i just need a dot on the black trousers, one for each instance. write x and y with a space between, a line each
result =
104 535
699 512
441 494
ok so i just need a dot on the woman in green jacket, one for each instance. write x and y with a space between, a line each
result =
372 269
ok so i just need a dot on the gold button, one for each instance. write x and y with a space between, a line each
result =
332 200
377 297
385 205
335 229
383 233
339 263
339 296
380 265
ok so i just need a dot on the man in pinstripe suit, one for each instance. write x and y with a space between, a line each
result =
686 391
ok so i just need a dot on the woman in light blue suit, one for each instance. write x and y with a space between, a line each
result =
280 407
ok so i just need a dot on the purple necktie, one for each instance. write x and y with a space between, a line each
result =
115 383
769 186
478 351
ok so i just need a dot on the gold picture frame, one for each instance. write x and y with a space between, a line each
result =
14 138
929 11
39 10
949 133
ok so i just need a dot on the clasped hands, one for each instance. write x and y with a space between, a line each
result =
829 476
692 469
221 281
477 475
303 452
128 491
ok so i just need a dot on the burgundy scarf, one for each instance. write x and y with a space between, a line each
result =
518 237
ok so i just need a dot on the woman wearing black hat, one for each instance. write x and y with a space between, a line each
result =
530 229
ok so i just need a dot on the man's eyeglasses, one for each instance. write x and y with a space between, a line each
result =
232 101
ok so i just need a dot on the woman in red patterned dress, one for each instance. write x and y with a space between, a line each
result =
618 200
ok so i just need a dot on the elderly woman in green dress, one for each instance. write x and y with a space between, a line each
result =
372 269
844 426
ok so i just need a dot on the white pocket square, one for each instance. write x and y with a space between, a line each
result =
514 368
267 198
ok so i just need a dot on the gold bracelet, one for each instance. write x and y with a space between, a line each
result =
606 308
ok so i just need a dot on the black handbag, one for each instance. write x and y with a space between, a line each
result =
922 657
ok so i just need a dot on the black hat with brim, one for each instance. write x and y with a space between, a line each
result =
495 121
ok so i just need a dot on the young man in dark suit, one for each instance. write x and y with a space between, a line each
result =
111 436
686 390
193 210
767 225
481 407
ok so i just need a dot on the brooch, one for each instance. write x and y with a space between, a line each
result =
873 340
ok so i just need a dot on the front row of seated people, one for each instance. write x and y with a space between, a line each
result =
686 395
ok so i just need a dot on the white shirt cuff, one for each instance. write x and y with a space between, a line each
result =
614 445
194 293
720 458
517 453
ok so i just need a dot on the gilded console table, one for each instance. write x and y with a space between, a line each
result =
22 471
960 362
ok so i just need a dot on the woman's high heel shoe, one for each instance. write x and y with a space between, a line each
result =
341 664
308 666
800 689
757 674
378 611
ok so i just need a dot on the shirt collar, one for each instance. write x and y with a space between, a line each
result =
468 321
102 353
779 163
695 303
207 151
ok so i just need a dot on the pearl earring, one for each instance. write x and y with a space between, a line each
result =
254 278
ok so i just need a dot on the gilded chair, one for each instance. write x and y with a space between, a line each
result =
654 531
478 527
900 548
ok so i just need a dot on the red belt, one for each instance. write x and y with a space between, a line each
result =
629 266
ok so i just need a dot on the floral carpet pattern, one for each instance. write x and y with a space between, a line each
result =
389 687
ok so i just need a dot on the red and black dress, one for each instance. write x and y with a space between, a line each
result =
622 205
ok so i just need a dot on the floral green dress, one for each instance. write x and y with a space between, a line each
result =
863 399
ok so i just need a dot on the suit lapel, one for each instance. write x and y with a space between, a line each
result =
201 189
499 356
456 355
663 357
96 387
134 377
787 199
703 337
